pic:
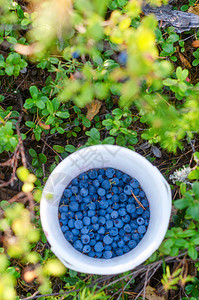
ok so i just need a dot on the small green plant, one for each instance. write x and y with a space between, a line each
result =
196 60
118 125
12 64
37 162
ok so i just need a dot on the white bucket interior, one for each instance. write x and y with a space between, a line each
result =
100 156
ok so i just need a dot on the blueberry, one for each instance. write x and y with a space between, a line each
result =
96 183
115 206
132 244
115 190
134 183
141 229
94 219
67 193
116 238
139 210
85 230
107 247
85 238
63 209
146 223
92 206
118 174
127 228
107 254
83 176
91 234
83 183
109 210
123 197
146 214
114 245
109 224
92 253
140 221
102 220
78 215
126 178
92 242
70 214
64 228
122 58
126 219
101 230
118 223
64 216
103 204
87 199
95 226
101 192
74 189
99 247
109 172
91 213
128 190
133 225
130 208
119 251
86 221
71 223
78 224
135 236
92 174
83 206
101 171
78 245
75 181
99 254
102 212
91 190
106 184
145 203
98 237
78 198
122 211
86 249
84 192
75 231
100 178
114 214
113 231
121 243
122 232
136 191
75 54
115 181
126 249
115 198
107 239
68 236
108 216
126 238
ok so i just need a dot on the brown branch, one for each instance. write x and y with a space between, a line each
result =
138 202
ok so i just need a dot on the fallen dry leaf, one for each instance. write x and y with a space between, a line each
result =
195 44
183 59
92 110
27 49
150 294
194 9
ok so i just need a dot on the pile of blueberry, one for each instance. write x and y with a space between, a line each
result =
104 213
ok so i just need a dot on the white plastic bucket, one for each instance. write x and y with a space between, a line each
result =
152 182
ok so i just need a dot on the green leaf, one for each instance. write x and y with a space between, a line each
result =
94 134
192 252
109 140
194 174
42 158
107 123
193 211
186 233
63 114
40 104
70 148
9 70
86 122
60 130
34 92
181 243
58 148
49 106
181 203
32 152
181 74
50 120
30 124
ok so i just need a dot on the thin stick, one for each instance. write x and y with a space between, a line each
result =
138 202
